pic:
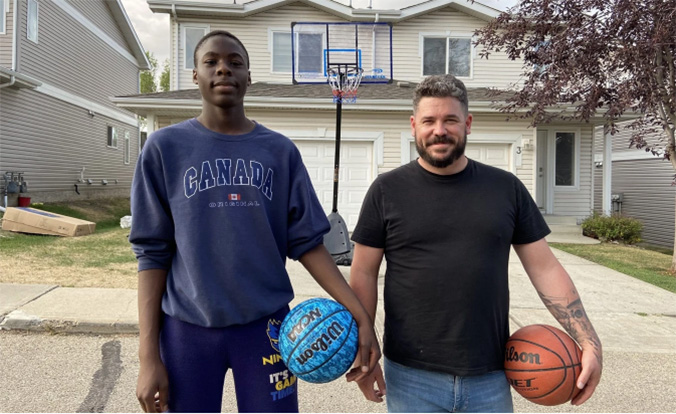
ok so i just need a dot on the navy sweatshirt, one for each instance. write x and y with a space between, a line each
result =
221 213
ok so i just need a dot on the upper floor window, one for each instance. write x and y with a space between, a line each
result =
112 137
32 19
281 52
540 51
308 53
191 35
452 55
3 15
566 155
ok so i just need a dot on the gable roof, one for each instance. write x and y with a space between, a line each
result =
395 96
217 8
120 16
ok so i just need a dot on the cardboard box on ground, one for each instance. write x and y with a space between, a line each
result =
30 220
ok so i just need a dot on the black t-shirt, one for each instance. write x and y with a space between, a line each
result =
447 241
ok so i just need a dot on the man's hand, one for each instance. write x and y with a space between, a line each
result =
152 389
372 385
592 365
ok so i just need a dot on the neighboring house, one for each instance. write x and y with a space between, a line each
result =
61 61
554 161
641 187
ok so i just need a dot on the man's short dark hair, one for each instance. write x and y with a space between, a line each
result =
220 33
441 86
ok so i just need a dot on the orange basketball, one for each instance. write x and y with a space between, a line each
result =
542 364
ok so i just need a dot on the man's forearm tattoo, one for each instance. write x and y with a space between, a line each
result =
573 318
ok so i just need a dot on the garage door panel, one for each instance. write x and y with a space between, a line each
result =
356 174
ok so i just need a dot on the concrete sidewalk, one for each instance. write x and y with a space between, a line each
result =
629 315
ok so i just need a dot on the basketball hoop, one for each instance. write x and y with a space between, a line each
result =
345 83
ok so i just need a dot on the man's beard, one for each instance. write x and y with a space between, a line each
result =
457 151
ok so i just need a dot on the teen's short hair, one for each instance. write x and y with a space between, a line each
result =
220 33
441 86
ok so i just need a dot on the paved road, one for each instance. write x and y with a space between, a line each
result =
86 373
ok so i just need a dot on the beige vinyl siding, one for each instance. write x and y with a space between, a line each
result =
6 39
577 202
254 32
98 12
51 141
390 124
71 58
498 71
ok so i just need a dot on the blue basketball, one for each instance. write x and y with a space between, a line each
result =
318 340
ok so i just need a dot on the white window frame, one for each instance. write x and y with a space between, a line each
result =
4 9
271 48
184 28
127 147
576 159
447 36
111 141
32 36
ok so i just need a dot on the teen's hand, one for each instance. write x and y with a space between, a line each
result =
368 353
372 385
152 389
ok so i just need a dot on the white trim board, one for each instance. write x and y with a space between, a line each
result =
62 95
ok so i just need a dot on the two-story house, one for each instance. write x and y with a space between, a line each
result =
554 160
61 61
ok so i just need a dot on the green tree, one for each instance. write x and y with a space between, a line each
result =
164 77
148 82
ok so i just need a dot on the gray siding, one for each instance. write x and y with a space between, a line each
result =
648 196
70 57
646 186
6 39
51 141
98 12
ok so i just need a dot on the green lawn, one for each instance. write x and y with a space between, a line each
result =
647 265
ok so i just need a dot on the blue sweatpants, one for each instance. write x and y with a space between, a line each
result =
197 359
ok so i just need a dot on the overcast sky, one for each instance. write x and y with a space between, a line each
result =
152 29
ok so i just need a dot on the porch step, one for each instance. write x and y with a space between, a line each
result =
565 229
567 220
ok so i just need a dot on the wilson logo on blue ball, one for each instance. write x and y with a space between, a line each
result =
318 340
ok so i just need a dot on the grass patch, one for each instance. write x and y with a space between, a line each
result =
102 259
647 265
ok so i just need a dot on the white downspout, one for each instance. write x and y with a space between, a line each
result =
15 50
607 172
373 41
12 80
178 39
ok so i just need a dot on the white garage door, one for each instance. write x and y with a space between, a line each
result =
356 174
496 155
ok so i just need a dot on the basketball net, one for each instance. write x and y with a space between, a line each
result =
345 84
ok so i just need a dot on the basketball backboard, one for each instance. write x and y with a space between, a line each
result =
318 47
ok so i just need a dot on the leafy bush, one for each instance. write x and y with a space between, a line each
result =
613 228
